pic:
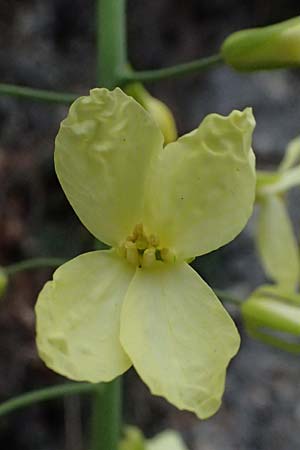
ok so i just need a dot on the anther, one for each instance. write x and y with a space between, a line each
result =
122 251
141 243
138 231
132 254
153 240
148 257
167 255
142 250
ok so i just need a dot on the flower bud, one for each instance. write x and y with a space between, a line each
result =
272 47
133 439
3 282
272 315
158 110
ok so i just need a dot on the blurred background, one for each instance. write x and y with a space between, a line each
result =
50 44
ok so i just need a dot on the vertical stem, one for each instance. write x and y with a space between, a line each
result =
111 58
106 416
111 41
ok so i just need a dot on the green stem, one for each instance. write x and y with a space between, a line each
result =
128 76
228 298
34 263
36 94
106 416
45 394
111 41
111 59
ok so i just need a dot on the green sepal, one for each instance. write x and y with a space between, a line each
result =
272 315
159 111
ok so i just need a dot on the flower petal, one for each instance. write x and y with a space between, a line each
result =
78 317
179 337
276 241
202 192
102 155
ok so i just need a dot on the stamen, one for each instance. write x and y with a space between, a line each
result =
122 251
167 255
142 243
132 254
142 250
148 257
138 231
153 240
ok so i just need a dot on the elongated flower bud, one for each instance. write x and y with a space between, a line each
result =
158 110
272 47
272 315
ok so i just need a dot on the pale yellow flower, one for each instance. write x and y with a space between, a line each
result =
140 303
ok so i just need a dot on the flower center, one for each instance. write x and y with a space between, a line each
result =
142 250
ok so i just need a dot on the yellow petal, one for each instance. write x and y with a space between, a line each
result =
78 317
202 191
178 335
276 241
102 155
